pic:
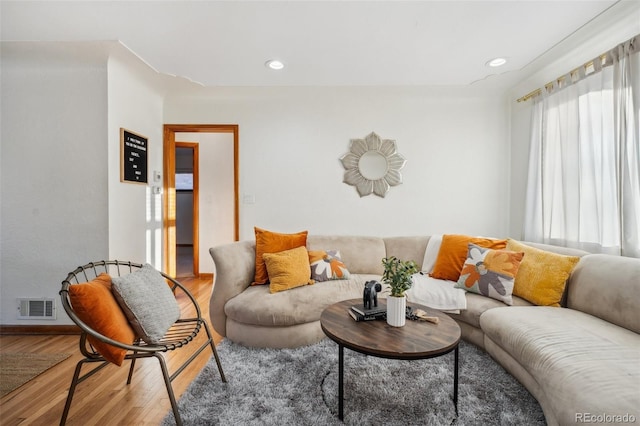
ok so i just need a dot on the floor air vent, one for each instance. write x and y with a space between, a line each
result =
36 309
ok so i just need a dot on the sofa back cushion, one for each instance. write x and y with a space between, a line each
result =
361 255
567 251
407 248
607 287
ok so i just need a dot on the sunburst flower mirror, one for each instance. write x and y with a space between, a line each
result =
372 165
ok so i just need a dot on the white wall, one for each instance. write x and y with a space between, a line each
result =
54 175
135 214
63 204
612 28
456 144
216 203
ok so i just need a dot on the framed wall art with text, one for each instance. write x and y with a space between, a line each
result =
133 157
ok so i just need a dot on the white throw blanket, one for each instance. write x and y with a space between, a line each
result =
436 294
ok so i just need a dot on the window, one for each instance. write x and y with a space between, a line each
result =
184 181
584 171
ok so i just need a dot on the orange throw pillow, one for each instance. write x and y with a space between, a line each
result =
453 253
273 242
96 306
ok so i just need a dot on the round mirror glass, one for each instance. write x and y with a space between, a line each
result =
373 165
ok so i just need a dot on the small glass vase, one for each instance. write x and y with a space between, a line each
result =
396 311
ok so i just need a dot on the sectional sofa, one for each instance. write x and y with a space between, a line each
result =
580 361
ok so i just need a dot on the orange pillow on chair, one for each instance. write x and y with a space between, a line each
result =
96 306
273 242
453 253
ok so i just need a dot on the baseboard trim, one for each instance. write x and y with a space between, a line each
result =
7 330
206 276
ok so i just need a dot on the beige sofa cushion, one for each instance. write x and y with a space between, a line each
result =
582 363
567 251
361 255
607 287
478 304
257 306
407 248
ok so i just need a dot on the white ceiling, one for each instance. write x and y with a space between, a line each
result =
216 43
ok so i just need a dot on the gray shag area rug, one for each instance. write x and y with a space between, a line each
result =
300 387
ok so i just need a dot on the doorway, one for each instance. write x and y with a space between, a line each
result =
170 236
187 202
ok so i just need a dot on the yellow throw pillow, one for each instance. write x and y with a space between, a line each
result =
453 253
273 242
288 269
543 275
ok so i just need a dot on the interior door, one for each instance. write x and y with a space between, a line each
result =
169 193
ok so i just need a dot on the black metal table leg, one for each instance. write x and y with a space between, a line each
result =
455 380
340 382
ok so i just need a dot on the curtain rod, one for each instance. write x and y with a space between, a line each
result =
586 66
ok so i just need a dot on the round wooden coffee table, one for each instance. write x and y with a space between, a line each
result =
416 340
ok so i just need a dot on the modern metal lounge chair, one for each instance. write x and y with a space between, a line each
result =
178 337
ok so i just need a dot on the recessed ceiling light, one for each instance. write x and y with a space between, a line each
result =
274 64
496 62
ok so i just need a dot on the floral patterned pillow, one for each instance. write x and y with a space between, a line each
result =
490 273
326 265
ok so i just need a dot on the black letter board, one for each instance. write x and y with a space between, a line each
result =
133 161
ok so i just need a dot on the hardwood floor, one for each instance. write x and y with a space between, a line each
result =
104 398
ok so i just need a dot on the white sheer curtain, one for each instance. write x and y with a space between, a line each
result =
584 170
